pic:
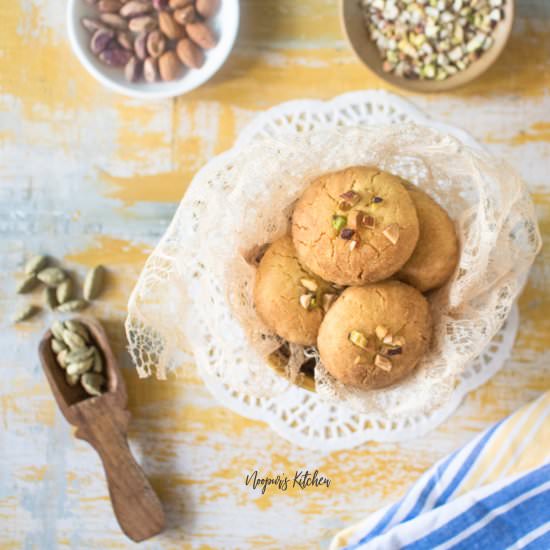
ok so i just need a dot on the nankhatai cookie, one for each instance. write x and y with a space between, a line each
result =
290 300
436 254
374 336
355 226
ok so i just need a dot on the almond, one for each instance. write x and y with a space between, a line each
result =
201 35
170 67
189 54
207 8
169 27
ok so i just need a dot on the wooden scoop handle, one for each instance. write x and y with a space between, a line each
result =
136 506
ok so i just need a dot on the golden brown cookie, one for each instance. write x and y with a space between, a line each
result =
289 300
436 254
355 226
373 336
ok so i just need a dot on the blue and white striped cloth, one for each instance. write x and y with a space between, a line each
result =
494 493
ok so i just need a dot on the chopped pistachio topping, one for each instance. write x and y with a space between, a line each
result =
358 339
398 341
339 222
351 197
305 300
382 363
364 220
381 331
431 39
309 284
392 233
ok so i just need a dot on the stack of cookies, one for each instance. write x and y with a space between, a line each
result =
350 279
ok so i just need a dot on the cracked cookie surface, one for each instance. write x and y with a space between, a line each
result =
436 254
381 221
278 288
391 311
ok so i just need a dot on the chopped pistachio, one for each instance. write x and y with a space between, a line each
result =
381 331
358 339
398 341
305 300
309 284
392 233
339 222
408 32
351 197
382 363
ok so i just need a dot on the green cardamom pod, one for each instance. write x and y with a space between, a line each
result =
27 284
36 264
26 313
62 358
92 383
93 283
98 361
50 298
79 328
73 340
57 330
52 276
72 379
79 354
58 346
80 367
64 291
72 305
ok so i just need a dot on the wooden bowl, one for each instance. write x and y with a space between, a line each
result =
366 50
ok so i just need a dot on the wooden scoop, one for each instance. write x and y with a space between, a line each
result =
103 422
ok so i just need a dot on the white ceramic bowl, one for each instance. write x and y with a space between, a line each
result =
225 24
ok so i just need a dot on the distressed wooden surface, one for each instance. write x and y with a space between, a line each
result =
89 177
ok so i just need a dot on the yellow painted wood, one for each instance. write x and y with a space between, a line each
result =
89 176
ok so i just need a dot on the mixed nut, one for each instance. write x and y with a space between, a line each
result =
59 287
347 225
78 356
384 347
431 39
151 40
313 296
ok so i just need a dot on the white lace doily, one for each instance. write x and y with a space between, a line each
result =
300 416
304 419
